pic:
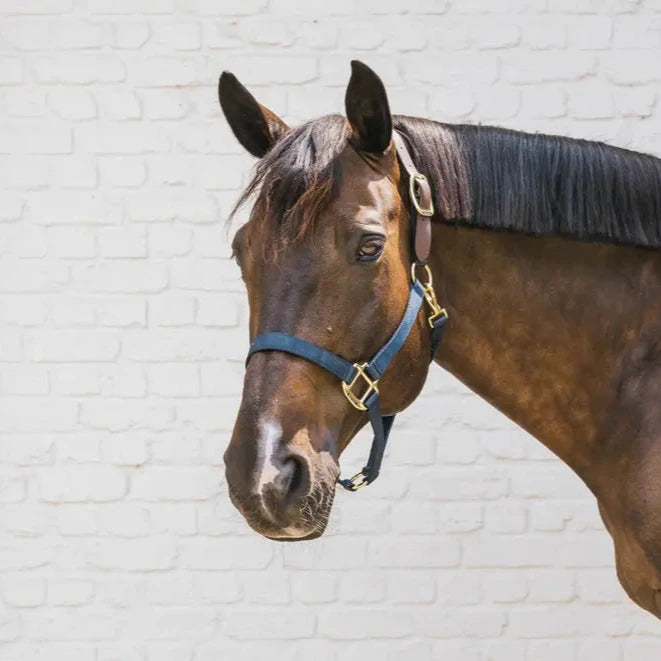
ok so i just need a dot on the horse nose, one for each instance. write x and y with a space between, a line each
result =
270 475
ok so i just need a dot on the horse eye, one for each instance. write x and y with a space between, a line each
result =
371 248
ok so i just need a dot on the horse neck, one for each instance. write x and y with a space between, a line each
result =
540 327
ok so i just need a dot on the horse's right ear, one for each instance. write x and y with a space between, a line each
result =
255 127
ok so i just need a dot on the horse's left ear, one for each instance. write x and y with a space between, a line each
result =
367 109
255 126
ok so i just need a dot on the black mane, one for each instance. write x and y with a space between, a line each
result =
481 176
542 184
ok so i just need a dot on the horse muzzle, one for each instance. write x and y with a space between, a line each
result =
282 491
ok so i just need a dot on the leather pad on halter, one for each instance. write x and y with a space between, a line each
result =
421 201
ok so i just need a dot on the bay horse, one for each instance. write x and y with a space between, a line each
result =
544 251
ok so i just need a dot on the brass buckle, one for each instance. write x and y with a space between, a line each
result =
430 296
356 401
358 481
419 178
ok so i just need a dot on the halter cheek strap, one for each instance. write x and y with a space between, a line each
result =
360 380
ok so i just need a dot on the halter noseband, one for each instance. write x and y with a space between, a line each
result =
368 373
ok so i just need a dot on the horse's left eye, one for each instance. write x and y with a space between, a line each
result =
370 248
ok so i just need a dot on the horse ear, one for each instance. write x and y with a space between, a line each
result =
367 109
255 127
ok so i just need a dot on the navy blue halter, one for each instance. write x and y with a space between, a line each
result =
352 374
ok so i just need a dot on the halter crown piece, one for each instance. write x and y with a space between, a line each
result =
360 381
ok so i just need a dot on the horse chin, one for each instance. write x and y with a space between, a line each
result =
298 536
311 523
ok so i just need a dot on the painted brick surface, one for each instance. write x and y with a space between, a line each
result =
123 330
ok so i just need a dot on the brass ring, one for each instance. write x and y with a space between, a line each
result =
430 280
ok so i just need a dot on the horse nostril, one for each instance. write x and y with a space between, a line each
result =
292 478
298 473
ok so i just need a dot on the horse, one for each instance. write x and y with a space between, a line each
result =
544 253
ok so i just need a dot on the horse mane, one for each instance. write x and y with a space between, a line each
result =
296 179
481 176
540 184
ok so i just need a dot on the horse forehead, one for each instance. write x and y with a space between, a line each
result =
363 182
365 195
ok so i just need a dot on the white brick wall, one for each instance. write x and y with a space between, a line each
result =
123 330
